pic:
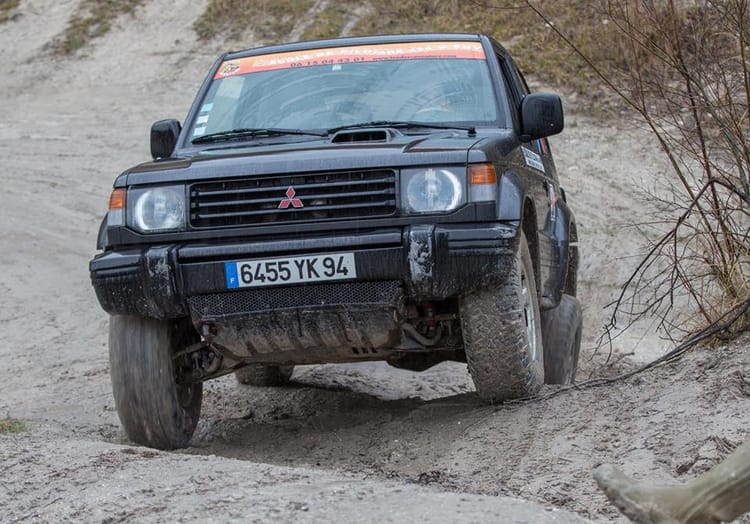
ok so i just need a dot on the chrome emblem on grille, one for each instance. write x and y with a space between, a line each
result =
290 200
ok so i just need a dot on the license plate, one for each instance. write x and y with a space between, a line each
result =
291 270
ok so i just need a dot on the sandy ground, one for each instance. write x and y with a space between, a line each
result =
349 443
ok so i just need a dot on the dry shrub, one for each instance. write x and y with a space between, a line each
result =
694 97
683 68
267 20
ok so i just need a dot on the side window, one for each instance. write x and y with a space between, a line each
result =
524 85
515 79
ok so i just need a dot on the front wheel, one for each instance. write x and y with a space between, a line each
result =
502 334
154 407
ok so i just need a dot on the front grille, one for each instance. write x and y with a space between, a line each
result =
266 299
293 198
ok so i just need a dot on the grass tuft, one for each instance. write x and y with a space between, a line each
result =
267 20
8 10
330 22
12 425
91 20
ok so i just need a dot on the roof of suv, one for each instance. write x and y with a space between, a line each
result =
359 40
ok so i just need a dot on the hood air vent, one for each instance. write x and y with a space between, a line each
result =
363 135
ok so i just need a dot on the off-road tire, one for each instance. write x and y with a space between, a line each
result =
264 376
561 333
497 326
155 410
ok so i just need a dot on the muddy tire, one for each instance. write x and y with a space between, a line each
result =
503 336
561 333
154 409
264 376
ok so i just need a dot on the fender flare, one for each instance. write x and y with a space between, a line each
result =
513 205
565 232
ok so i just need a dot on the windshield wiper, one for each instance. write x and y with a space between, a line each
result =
402 124
233 134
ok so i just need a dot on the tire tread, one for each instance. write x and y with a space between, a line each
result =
495 337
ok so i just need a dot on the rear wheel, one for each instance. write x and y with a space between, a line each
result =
502 334
155 409
264 376
561 331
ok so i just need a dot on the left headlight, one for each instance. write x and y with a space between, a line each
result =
156 209
432 190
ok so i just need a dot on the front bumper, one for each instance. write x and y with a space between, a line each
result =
429 262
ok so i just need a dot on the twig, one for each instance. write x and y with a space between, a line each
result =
673 356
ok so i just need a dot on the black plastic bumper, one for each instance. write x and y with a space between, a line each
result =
431 261
139 282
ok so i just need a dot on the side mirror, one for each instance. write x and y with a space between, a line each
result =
541 116
164 135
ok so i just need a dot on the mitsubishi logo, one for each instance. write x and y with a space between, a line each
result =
290 199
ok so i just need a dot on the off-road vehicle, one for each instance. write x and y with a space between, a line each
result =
382 198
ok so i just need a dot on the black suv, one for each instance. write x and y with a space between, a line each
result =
382 198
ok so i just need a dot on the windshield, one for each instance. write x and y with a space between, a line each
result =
439 82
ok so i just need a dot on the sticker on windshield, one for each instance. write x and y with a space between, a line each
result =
199 131
532 159
228 68
351 54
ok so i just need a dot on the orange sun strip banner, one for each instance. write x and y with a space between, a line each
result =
350 54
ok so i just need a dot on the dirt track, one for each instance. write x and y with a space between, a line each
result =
360 440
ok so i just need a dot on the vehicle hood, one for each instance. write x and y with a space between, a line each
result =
264 157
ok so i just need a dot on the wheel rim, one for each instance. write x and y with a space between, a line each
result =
530 317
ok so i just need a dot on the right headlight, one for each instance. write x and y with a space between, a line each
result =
433 190
156 209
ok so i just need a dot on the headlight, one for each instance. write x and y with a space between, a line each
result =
157 209
432 190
